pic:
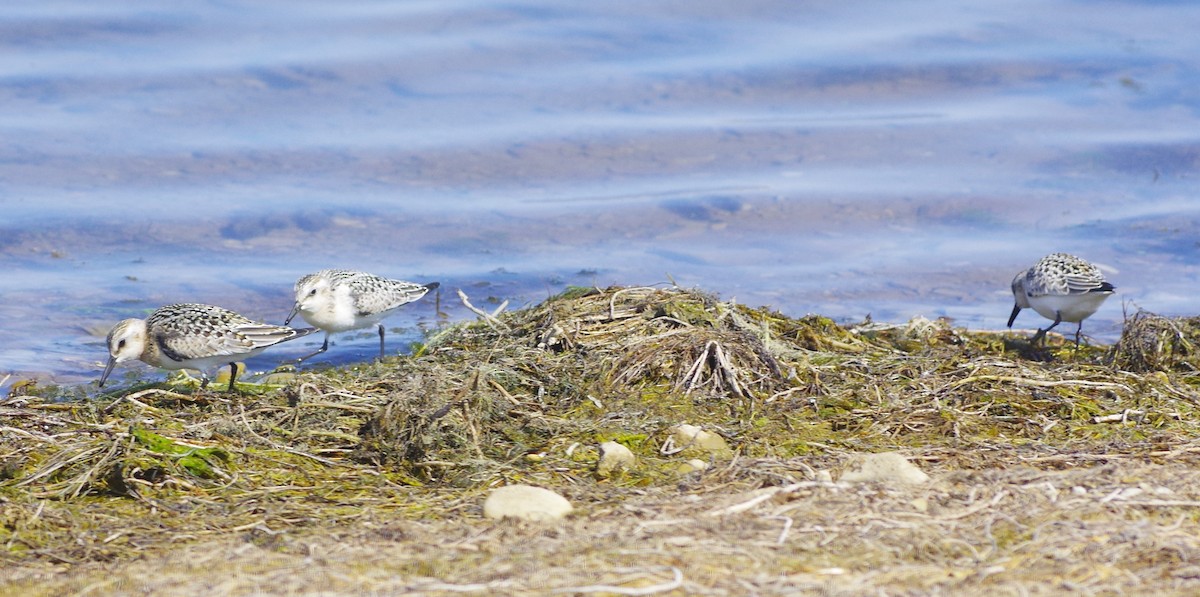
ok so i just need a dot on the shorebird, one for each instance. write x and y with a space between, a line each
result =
1061 287
193 336
337 300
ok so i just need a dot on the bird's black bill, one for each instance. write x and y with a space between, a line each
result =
107 369
1013 317
292 315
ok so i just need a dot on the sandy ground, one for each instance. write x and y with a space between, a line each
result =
1016 522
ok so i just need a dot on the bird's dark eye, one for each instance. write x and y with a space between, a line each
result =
312 292
121 344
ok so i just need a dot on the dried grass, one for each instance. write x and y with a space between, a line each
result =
1053 470
1152 342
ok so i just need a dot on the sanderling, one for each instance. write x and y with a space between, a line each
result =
193 336
1061 287
337 300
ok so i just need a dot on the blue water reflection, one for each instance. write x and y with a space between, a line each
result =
875 158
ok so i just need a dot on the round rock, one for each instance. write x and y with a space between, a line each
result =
885 467
614 457
693 440
525 502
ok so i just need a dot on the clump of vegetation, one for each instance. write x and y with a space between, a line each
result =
1035 452
1152 342
584 367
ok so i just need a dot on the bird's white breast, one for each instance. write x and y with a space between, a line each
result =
1071 307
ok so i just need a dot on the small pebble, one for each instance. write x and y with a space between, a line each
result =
691 466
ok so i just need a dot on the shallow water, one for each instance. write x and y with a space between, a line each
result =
872 158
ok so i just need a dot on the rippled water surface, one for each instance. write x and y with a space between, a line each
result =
882 158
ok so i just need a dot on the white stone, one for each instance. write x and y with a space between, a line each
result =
691 466
885 467
689 438
614 457
525 502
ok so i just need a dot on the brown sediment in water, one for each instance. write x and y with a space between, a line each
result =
1051 469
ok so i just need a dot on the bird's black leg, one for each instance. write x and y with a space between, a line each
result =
1078 331
1041 334
324 347
1057 320
381 341
232 375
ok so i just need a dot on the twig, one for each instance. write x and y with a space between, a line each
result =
487 318
1184 395
504 392
787 526
148 392
692 377
1128 415
337 406
354 398
466 410
721 369
1164 503
1037 383
730 372
754 501
258 524
471 588
1079 456
612 301
650 590
783 393
976 508
1021 381
38 436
